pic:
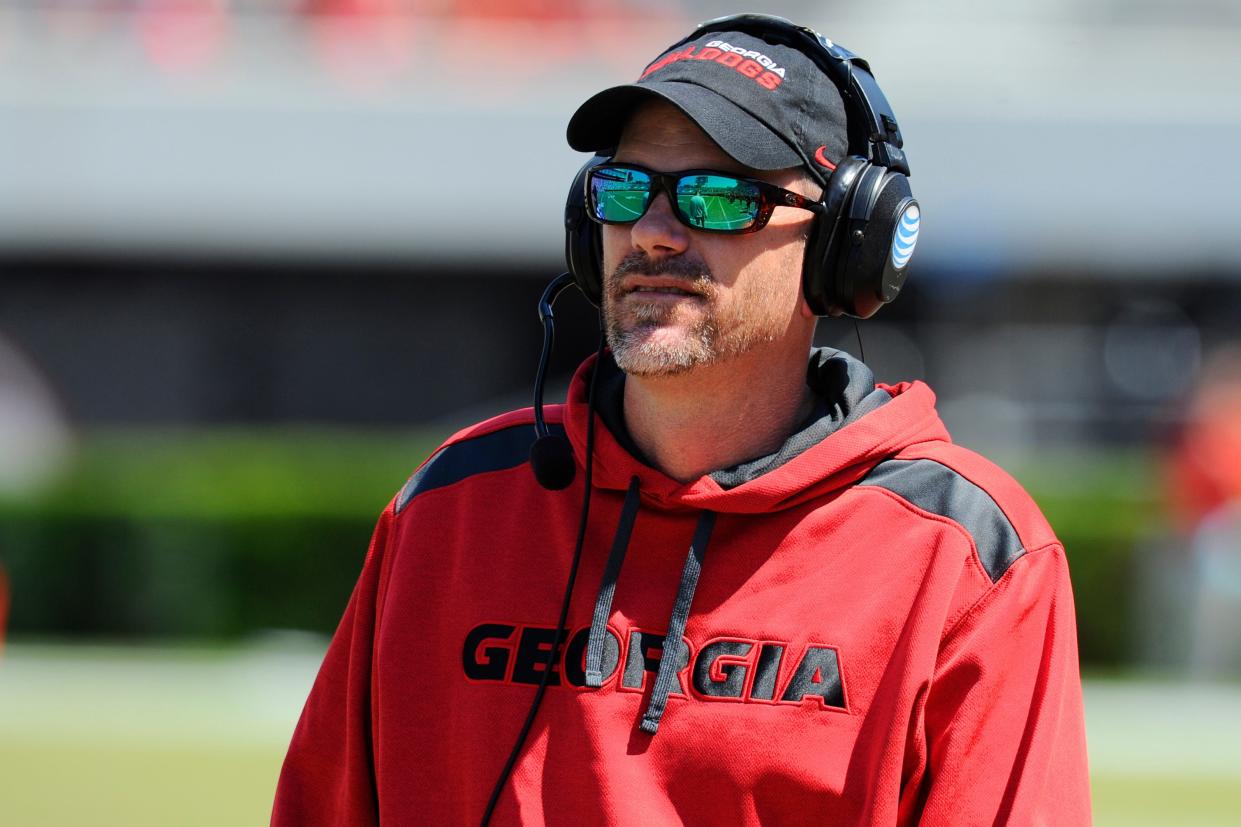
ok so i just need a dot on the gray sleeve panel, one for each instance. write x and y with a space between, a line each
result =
940 490
497 451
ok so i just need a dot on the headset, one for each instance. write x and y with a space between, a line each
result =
860 246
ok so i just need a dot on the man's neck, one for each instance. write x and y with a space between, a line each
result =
716 416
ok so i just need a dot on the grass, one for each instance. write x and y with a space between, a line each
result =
1164 751
140 736
143 736
129 783
1146 801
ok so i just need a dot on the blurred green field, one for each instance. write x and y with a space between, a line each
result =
159 736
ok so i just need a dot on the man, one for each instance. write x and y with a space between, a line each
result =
871 625
698 210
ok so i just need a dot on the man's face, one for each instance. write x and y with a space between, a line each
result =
675 298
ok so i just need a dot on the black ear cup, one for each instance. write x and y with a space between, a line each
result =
879 246
824 245
583 250
860 248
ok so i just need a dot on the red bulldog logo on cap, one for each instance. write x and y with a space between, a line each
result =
755 65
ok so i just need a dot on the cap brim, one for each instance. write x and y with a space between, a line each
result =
598 123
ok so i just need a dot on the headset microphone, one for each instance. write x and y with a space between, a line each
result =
551 455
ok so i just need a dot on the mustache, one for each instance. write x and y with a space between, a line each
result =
638 262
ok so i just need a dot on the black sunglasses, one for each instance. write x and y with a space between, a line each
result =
702 199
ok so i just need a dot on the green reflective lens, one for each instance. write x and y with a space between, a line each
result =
619 195
717 202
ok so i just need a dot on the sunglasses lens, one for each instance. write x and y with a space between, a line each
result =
718 202
619 195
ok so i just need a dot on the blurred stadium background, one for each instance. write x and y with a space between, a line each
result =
258 256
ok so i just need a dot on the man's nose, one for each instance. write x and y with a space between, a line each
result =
658 232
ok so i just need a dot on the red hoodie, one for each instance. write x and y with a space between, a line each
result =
876 627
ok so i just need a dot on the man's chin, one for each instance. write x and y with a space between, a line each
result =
659 350
651 366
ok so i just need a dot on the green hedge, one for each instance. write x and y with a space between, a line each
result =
205 534
1103 507
219 534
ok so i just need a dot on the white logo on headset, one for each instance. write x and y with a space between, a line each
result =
906 237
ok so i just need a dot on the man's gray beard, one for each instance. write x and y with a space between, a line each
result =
638 357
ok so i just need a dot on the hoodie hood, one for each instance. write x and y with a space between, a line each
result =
855 424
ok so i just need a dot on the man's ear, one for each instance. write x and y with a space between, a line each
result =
806 312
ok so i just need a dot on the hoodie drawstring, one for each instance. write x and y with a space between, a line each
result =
676 623
603 603
668 666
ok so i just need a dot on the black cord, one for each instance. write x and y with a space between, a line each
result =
561 631
861 351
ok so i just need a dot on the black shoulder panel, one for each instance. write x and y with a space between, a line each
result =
940 490
496 451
